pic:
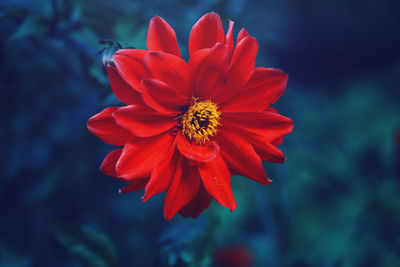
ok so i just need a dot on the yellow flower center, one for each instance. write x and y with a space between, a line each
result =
201 120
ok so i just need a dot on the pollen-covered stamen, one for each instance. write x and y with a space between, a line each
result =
201 120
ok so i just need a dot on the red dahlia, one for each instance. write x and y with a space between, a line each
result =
187 126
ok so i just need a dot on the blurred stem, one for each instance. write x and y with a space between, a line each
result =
267 218
54 20
209 240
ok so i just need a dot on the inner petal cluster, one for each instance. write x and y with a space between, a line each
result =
201 121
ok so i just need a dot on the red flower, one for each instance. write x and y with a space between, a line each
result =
233 256
187 126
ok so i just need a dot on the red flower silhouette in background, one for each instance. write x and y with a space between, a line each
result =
233 256
187 126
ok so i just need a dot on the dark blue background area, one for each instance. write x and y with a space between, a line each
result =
335 202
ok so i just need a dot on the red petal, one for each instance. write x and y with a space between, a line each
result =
242 34
263 89
193 151
108 165
159 96
142 121
121 89
277 141
134 186
260 92
129 63
162 174
217 181
229 37
197 205
161 37
103 126
265 147
241 68
141 155
183 189
209 67
268 124
240 156
207 31
269 152
170 69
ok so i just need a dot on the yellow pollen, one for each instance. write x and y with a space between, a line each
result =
201 120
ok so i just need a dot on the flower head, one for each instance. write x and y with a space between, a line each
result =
187 126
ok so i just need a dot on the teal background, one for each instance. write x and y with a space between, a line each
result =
335 202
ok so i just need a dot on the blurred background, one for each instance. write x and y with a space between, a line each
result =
335 202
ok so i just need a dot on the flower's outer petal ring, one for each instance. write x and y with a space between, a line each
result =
142 121
217 181
103 126
161 37
121 89
141 155
193 151
159 96
207 31
183 189
129 63
263 89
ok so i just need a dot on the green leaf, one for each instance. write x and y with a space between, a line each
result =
90 247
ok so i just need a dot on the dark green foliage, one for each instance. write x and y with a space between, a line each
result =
89 247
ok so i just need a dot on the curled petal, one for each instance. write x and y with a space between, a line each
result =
108 165
197 205
159 96
103 126
277 141
242 34
241 68
183 189
229 37
129 63
263 89
121 89
241 157
169 69
193 151
162 174
209 67
142 121
134 186
141 155
207 31
217 181
161 37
